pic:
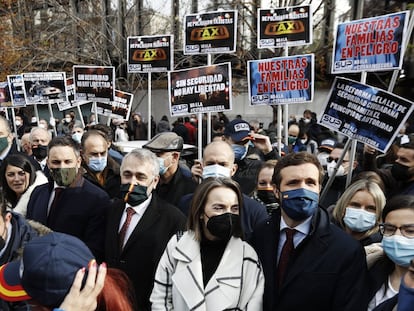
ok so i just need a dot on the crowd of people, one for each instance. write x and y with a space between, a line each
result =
253 225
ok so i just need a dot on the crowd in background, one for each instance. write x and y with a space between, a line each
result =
253 225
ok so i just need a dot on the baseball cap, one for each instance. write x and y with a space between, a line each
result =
46 270
165 141
238 130
328 144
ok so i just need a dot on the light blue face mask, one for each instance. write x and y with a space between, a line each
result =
163 168
399 249
359 220
300 203
97 164
216 171
239 152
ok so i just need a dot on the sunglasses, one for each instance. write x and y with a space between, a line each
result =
330 159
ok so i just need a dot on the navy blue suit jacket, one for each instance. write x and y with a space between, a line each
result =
81 212
328 270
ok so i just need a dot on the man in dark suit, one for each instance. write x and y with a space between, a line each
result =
100 168
308 263
69 203
140 225
39 140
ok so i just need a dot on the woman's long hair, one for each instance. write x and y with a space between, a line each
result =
21 161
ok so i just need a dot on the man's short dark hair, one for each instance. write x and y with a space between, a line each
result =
90 133
295 159
105 129
64 141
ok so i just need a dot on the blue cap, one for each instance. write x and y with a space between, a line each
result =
46 271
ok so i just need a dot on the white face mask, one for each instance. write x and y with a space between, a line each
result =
18 123
68 120
323 158
215 171
359 220
330 167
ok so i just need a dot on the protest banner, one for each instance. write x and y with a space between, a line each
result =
16 86
364 113
288 26
120 108
212 32
71 102
94 83
150 53
281 80
370 44
5 98
44 87
201 89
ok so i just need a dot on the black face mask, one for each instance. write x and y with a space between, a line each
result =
400 172
266 196
40 152
224 226
133 194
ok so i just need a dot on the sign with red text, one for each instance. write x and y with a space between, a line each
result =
94 83
289 26
5 98
281 80
364 113
150 53
201 89
120 108
212 32
370 44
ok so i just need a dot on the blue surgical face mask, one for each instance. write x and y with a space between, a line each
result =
300 203
97 164
239 151
163 168
399 249
77 137
359 220
216 171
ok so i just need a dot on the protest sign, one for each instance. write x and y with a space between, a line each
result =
281 80
150 53
120 108
94 83
16 86
44 87
201 89
367 114
5 98
289 26
212 32
370 44
71 103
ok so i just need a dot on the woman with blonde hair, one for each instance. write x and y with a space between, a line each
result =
358 211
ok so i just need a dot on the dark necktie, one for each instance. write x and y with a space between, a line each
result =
287 251
53 207
130 212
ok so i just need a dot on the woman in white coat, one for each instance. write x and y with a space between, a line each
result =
210 267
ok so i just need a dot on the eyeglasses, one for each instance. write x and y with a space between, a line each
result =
389 230
330 159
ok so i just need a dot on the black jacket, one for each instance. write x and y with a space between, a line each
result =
327 272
